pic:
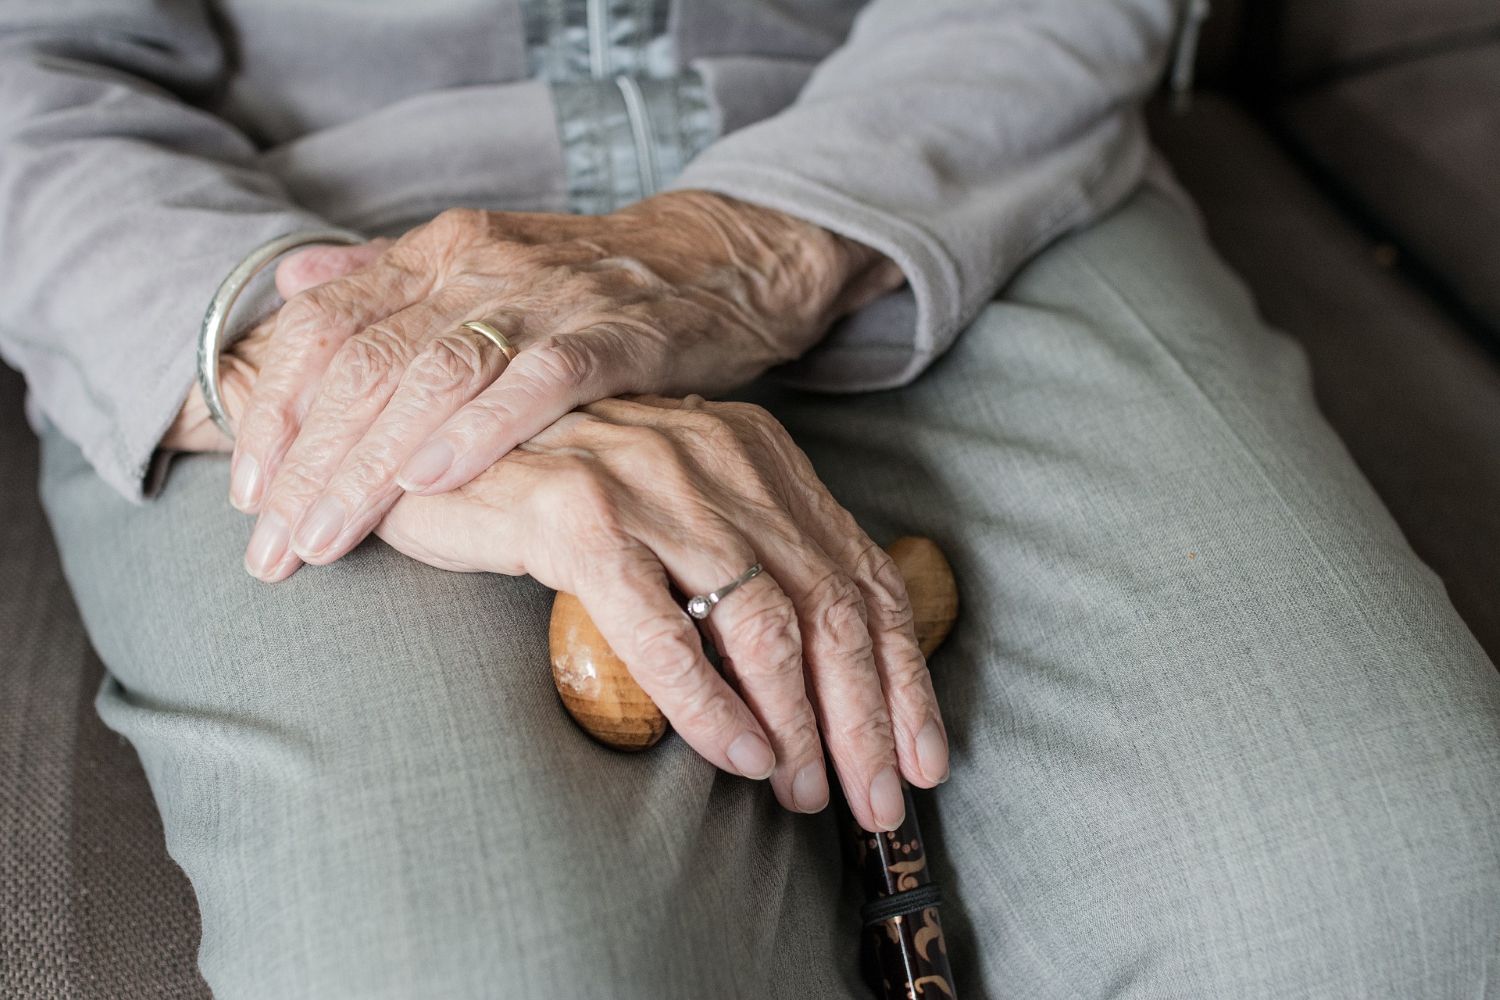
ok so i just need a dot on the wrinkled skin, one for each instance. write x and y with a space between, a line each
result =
370 387
615 501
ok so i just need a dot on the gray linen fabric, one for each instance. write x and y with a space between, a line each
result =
1407 386
146 146
1217 731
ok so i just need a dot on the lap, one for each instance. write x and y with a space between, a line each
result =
370 782
1201 697
1217 729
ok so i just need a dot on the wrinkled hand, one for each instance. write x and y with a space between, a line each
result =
370 387
614 502
194 429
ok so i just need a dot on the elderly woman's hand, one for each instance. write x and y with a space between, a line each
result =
614 502
371 387
193 429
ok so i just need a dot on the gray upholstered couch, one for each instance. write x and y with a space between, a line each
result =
1345 157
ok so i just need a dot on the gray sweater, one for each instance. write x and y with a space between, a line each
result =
147 145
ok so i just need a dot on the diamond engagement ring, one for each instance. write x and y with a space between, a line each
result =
700 606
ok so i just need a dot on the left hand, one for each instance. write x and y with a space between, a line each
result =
371 388
618 500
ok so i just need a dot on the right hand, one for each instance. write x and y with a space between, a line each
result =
617 501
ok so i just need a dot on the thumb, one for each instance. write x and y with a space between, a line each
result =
314 265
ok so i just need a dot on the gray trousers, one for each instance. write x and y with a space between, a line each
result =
1217 731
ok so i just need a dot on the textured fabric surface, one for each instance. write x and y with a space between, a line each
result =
1417 144
1409 389
1326 37
90 905
146 147
39 683
1217 731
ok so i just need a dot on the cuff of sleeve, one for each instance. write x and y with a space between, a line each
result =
128 457
749 89
889 342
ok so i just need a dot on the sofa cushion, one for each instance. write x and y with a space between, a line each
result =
90 904
1417 145
1319 38
1412 392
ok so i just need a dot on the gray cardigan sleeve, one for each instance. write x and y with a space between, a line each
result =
958 137
105 164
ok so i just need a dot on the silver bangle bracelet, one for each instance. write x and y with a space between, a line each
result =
211 342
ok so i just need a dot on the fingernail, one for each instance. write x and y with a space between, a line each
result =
267 546
810 788
932 752
752 757
423 468
320 526
886 801
244 487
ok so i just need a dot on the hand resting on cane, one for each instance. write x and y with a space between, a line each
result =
615 501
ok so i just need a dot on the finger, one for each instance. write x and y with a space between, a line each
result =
323 262
310 329
629 600
542 383
448 372
843 680
360 381
845 685
756 630
917 722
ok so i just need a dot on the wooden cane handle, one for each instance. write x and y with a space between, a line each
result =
598 691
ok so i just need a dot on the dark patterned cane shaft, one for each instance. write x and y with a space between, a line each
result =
905 957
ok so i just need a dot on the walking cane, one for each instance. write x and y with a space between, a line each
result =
904 954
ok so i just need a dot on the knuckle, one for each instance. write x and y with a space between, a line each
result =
445 364
484 417
767 642
364 363
870 733
306 313
709 427
908 682
803 732
554 362
295 481
459 223
752 415
266 422
886 599
365 474
708 706
667 640
650 448
667 647
840 610
580 490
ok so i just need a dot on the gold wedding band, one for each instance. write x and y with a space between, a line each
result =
494 336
